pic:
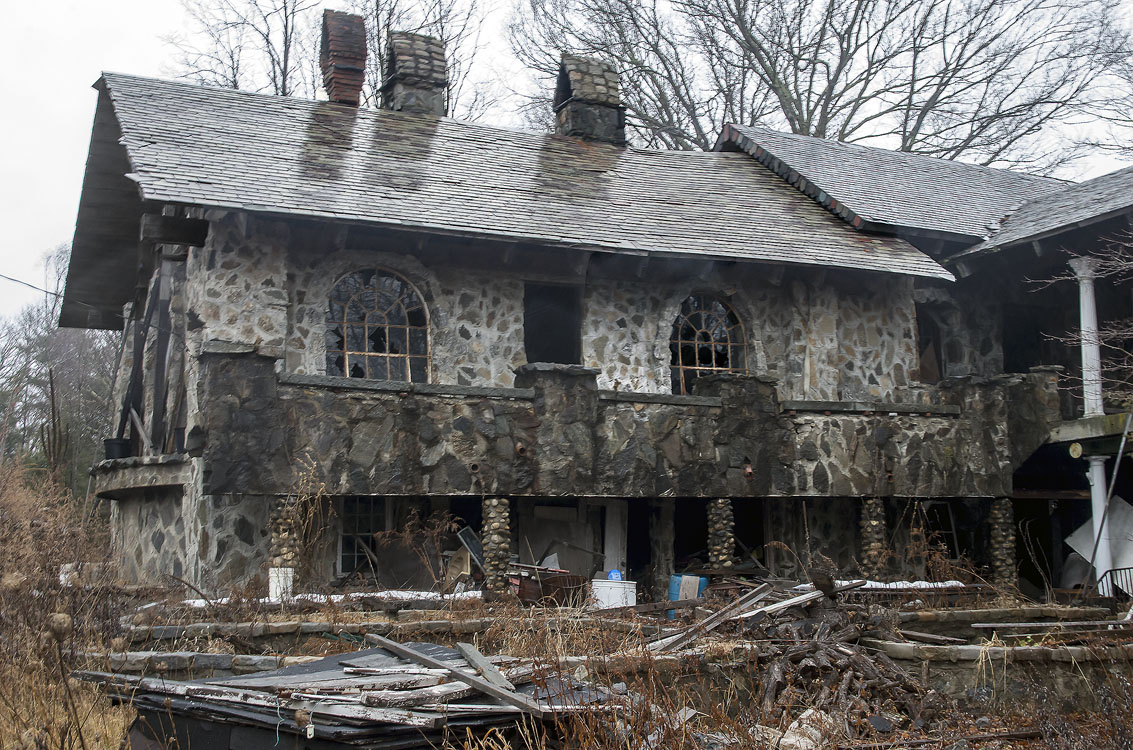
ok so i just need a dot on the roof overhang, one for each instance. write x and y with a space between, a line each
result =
732 139
103 272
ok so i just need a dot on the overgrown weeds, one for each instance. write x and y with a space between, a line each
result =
55 600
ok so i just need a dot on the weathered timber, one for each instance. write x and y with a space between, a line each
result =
507 696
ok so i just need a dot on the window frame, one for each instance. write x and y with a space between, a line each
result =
736 339
354 357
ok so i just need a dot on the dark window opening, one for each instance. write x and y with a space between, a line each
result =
552 323
362 519
378 328
707 337
1022 338
929 347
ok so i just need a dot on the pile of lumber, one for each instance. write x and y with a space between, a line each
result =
393 696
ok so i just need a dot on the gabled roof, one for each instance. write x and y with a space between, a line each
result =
876 188
1074 205
194 145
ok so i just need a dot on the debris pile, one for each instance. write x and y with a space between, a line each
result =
394 696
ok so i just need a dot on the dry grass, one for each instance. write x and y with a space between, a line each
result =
42 620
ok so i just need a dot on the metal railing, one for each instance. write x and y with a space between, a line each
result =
1118 582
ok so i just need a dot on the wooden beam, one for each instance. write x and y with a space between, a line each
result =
174 230
507 696
486 668
713 621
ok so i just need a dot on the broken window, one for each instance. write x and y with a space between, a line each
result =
362 519
377 327
707 337
552 323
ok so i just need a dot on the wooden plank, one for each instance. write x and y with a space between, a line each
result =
507 696
941 640
129 687
642 609
486 668
796 601
1059 624
711 623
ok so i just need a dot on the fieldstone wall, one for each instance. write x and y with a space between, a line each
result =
213 542
558 435
149 535
264 284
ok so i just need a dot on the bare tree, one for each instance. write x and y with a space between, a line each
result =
272 45
34 355
259 45
979 79
457 23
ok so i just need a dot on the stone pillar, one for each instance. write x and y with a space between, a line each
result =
661 535
873 537
566 406
284 524
283 520
495 536
1001 519
721 533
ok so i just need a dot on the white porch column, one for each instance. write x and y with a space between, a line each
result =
1103 559
614 538
1085 270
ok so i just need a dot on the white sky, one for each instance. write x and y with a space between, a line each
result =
50 54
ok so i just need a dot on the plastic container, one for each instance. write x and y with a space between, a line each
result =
675 591
675 587
606 593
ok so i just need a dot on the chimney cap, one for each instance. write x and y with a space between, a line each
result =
415 59
588 80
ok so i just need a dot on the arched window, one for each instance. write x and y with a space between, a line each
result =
707 337
377 327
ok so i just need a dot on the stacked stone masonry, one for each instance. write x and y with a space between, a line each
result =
265 284
496 541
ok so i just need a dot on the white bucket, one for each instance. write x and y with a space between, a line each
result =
608 594
281 581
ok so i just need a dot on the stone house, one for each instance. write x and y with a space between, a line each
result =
607 352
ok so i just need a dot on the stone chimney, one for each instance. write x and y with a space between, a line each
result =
588 101
416 74
342 56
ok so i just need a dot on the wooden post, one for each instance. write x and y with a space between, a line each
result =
614 538
661 537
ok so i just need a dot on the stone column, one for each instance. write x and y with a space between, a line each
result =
1001 519
283 521
721 533
873 537
566 407
661 535
495 536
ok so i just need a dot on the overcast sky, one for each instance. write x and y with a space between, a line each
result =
50 54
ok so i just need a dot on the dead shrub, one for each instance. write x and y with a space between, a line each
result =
56 599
